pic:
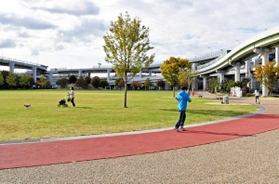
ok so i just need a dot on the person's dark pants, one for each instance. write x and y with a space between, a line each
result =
257 99
182 117
73 102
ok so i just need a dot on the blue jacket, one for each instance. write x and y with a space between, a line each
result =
182 98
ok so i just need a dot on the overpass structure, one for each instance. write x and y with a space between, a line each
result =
262 45
20 64
221 64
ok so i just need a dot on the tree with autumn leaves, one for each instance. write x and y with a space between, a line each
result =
267 75
178 71
126 47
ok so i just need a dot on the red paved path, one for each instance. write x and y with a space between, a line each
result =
64 151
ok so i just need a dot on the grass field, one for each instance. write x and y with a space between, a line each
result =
100 112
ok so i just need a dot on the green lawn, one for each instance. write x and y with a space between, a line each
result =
100 112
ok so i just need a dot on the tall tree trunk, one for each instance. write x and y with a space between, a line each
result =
125 90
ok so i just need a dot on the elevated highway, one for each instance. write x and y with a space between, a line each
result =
262 44
221 63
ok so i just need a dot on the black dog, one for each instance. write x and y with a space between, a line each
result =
27 105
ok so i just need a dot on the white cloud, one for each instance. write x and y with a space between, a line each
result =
70 33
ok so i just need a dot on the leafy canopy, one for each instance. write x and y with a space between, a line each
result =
173 67
267 74
11 79
126 47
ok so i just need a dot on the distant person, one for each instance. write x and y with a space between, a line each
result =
182 98
257 96
72 96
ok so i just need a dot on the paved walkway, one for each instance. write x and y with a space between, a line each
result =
87 148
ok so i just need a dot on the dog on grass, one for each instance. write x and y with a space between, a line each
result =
27 105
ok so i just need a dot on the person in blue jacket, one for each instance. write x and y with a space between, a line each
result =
183 98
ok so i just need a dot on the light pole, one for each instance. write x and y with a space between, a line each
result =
238 41
99 65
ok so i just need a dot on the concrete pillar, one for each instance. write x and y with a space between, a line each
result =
194 66
277 63
50 78
194 85
248 68
237 72
108 74
277 56
265 56
34 71
221 76
79 73
204 83
12 66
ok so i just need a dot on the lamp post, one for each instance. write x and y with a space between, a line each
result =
238 41
99 65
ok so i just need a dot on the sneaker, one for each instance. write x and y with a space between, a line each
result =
176 129
183 129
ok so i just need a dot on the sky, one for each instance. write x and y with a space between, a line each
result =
69 33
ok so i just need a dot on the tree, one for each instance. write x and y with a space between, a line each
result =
25 80
228 85
214 85
72 79
62 82
11 79
44 82
160 83
136 84
81 82
5 75
95 81
31 81
187 77
170 70
267 75
120 83
88 80
147 83
104 83
1 79
126 47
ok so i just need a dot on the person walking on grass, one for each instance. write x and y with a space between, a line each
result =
257 96
72 96
183 98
